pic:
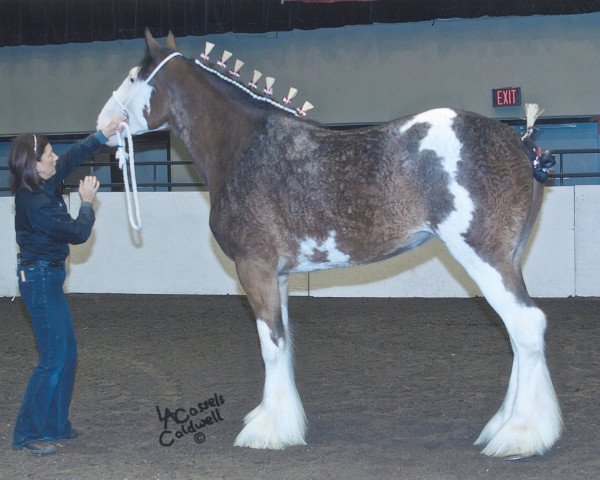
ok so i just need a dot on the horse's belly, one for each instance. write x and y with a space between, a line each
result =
327 254
321 255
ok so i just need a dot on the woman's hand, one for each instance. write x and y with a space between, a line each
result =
88 188
113 126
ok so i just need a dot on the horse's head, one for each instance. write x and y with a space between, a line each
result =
142 95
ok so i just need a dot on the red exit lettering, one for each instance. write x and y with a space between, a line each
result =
503 97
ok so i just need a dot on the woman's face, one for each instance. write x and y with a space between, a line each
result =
46 166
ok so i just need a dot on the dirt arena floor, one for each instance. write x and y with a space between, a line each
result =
393 389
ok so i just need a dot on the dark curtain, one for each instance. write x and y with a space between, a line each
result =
40 22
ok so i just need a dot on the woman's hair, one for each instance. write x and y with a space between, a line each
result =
25 152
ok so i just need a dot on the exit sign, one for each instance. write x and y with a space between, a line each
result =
506 97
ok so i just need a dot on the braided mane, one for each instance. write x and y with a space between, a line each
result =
245 89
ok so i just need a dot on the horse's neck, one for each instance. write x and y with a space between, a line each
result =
215 124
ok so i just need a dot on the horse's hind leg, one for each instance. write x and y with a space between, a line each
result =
529 420
279 419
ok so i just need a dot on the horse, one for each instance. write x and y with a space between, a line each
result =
289 195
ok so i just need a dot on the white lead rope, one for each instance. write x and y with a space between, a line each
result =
122 156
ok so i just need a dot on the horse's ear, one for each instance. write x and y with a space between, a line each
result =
171 41
153 45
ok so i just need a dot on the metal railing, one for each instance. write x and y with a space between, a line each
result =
155 184
558 175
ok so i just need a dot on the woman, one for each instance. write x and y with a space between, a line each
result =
44 229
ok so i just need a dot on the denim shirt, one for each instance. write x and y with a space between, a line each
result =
43 224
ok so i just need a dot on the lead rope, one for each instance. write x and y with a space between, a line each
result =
122 156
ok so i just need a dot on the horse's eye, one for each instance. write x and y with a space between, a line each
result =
131 79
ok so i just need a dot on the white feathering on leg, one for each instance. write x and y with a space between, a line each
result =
279 421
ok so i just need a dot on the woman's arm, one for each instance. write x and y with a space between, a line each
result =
80 151
54 222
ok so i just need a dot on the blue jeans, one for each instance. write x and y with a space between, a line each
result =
44 413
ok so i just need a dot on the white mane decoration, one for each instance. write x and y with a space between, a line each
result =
207 49
255 79
226 56
269 81
291 94
236 69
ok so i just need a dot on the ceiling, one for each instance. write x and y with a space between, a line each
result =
46 22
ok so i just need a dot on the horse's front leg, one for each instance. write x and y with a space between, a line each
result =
279 420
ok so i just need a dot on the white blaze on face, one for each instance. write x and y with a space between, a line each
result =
135 95
316 255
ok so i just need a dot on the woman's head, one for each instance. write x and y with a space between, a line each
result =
31 162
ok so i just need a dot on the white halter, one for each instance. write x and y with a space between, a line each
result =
123 156
123 105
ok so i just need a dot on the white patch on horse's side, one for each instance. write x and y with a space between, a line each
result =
279 421
309 247
442 140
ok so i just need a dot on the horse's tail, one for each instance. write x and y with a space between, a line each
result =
542 161
534 210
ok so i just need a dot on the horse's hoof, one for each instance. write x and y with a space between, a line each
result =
270 430
516 441
515 458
